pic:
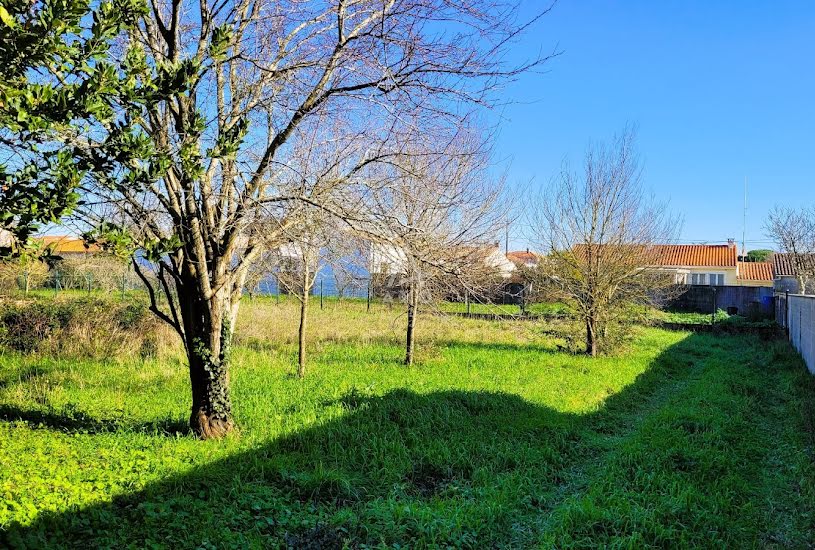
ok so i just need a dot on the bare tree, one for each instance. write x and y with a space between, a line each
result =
298 267
201 151
602 235
346 257
439 211
793 230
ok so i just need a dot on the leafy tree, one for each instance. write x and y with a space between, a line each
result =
210 100
53 79
175 125
759 255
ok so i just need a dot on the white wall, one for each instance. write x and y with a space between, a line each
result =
801 319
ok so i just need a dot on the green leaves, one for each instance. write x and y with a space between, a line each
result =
53 78
228 142
156 248
221 38
6 18
112 238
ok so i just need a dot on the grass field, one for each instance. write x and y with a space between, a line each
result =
495 439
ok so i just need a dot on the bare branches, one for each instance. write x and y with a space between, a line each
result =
438 213
248 124
793 230
601 233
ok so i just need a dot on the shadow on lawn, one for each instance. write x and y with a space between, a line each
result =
75 421
450 468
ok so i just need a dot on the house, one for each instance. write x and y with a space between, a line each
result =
700 264
755 274
785 272
65 246
523 258
496 261
387 259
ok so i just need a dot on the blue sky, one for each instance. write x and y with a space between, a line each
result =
719 91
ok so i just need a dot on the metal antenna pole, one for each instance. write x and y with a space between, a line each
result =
744 223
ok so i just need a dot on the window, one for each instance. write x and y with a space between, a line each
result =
712 279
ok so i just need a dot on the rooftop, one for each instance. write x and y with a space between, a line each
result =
755 271
784 264
697 255
522 257
65 244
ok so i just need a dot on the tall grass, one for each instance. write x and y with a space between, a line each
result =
495 439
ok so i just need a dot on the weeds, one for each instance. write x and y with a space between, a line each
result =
495 439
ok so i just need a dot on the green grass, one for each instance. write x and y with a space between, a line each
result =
552 308
494 440
722 318
689 318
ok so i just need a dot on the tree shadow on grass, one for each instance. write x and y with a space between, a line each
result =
76 421
448 468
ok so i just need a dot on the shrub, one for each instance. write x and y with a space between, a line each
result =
84 327
101 272
13 274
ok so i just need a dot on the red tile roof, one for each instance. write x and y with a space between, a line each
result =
522 257
697 255
756 271
62 244
784 264
690 255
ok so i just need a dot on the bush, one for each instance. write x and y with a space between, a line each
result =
13 274
85 327
101 272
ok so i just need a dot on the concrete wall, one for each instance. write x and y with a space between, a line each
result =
744 298
801 325
786 284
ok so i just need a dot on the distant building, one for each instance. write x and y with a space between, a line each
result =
709 265
66 246
785 273
755 274
700 264
524 258
387 259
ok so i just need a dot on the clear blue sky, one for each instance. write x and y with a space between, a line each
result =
719 91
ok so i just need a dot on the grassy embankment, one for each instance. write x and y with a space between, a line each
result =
494 439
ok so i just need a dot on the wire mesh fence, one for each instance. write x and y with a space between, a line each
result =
119 280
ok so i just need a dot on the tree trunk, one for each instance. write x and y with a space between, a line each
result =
301 336
211 415
591 336
411 323
208 335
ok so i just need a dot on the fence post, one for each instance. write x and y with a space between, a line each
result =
787 311
321 294
56 281
467 301
25 282
368 306
277 289
90 282
124 283
713 315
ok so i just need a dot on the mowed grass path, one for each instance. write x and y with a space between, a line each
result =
496 439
